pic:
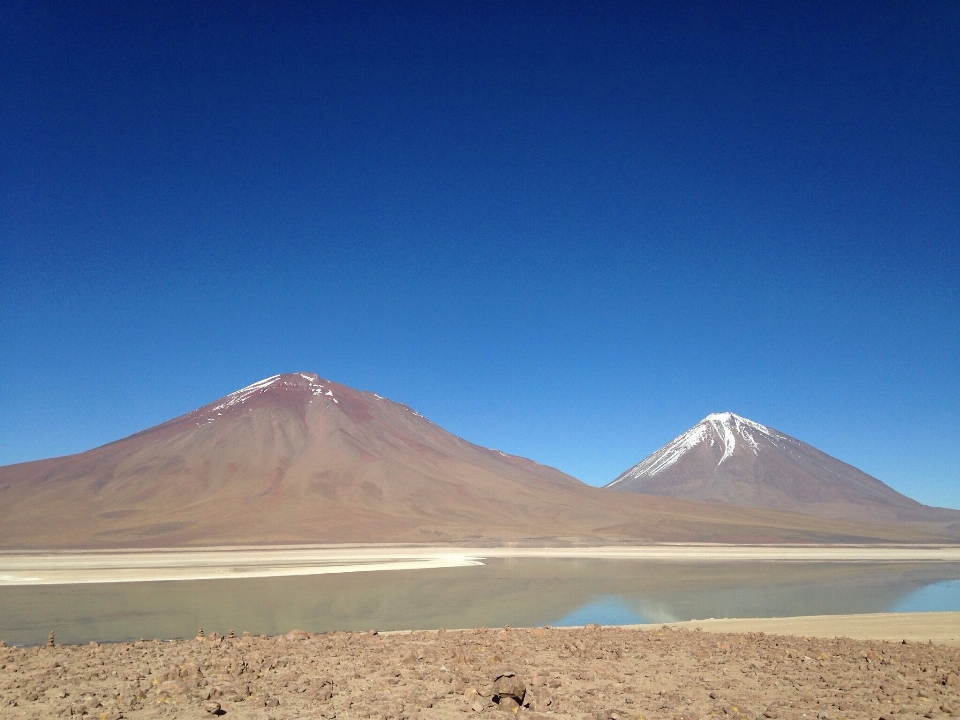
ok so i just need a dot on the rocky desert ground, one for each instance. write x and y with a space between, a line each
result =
607 673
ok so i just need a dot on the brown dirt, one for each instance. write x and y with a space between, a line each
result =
603 673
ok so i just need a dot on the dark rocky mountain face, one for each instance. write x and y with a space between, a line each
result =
728 459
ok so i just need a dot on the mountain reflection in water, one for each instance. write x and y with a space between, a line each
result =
516 592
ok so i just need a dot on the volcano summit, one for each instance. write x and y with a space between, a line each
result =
729 459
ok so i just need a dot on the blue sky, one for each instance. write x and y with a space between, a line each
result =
567 232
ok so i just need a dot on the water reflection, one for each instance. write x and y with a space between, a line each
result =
518 592
936 597
606 610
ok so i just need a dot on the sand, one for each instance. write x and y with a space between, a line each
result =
47 568
939 627
605 673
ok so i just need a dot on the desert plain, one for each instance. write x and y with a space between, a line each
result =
607 673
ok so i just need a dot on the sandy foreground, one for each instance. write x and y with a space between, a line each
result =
608 673
43 568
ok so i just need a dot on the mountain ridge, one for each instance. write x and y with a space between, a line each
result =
296 458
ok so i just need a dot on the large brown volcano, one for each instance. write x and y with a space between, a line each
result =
294 458
729 459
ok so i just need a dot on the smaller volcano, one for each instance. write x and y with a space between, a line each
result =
729 459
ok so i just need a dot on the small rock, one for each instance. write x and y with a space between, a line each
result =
212 707
508 704
477 706
297 635
506 684
171 687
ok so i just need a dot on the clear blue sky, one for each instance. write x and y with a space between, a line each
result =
567 232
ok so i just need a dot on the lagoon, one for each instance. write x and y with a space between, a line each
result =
520 592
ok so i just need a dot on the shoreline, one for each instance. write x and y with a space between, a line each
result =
111 566
939 628
934 627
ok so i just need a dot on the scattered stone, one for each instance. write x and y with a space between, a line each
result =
566 672
508 704
506 684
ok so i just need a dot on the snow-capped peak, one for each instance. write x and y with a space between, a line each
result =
730 426
724 428
309 381
241 395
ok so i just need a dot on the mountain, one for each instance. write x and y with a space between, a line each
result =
296 458
729 459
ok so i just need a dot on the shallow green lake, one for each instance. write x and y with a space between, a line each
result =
516 592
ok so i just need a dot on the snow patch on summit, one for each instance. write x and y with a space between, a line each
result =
725 428
243 394
238 397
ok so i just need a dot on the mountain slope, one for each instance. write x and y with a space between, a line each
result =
295 458
728 459
289 449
